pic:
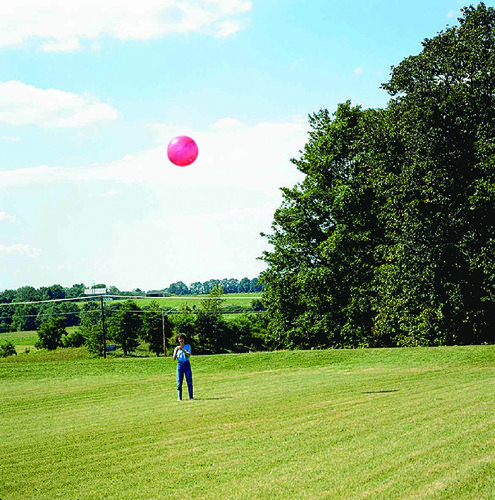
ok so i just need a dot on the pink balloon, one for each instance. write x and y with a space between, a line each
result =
182 151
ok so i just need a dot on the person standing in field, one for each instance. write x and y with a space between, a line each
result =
182 353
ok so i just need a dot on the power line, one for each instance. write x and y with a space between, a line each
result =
46 301
118 297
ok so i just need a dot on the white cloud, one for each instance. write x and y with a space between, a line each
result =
191 247
111 194
64 45
358 71
10 139
20 249
6 217
231 153
193 223
22 104
60 25
227 28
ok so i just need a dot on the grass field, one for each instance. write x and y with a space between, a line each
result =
25 341
20 339
349 424
238 299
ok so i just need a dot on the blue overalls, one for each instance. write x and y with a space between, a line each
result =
184 368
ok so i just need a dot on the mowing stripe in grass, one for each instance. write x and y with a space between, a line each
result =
374 424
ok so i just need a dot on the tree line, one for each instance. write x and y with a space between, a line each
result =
232 285
125 325
389 240
205 327
22 317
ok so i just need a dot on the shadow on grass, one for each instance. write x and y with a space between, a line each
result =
211 399
384 391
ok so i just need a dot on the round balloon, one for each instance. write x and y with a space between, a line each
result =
182 151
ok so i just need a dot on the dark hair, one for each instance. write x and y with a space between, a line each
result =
182 336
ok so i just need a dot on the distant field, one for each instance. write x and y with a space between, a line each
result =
385 424
20 338
24 340
239 299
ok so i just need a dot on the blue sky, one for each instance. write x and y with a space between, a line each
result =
92 91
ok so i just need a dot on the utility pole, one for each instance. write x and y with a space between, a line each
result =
164 335
104 331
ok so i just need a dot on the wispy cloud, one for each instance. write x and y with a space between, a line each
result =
20 249
228 28
6 217
215 207
231 153
111 194
65 26
22 104
358 71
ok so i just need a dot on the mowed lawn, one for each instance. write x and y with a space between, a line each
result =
194 301
22 340
339 424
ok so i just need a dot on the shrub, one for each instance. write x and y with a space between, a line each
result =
257 305
74 339
93 336
7 349
50 333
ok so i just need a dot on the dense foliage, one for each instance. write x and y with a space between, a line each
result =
124 325
28 307
128 325
389 240
7 349
50 333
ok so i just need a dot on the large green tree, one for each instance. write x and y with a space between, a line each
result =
390 237
156 328
7 310
67 309
437 285
52 292
213 333
27 294
179 288
321 267
25 317
51 332
124 326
